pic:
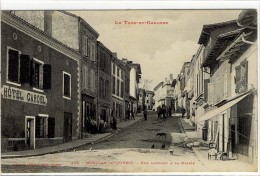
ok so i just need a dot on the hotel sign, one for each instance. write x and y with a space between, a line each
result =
13 93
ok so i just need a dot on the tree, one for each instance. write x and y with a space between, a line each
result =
145 83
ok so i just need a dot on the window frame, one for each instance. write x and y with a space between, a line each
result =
7 67
85 46
65 97
38 89
45 125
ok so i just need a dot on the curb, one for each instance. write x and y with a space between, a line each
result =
181 125
196 153
68 149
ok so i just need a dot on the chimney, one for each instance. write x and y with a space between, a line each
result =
48 22
165 80
124 60
171 77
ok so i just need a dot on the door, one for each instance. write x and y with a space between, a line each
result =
67 133
30 132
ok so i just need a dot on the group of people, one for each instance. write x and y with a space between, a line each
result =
130 114
164 111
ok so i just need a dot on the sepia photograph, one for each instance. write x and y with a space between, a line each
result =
129 91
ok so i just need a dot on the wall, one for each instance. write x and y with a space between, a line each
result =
65 28
133 83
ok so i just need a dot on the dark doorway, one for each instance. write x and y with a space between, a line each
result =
67 133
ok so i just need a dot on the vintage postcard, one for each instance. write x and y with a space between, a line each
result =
129 91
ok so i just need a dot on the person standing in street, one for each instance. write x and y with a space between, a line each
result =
183 111
159 111
145 113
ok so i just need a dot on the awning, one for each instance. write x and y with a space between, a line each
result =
219 110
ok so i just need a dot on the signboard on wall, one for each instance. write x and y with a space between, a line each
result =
17 94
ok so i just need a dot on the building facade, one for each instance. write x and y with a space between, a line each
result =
149 101
40 82
230 116
135 76
118 77
104 79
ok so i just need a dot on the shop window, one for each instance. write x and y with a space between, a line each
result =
66 85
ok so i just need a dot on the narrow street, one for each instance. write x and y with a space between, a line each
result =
129 150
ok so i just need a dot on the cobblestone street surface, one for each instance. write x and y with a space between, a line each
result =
136 148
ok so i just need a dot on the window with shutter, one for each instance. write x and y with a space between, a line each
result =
25 68
38 73
46 76
13 66
92 51
51 127
244 75
66 85
85 46
41 127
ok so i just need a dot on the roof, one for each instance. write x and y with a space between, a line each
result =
36 31
158 85
247 18
220 44
92 30
100 44
137 66
205 33
238 46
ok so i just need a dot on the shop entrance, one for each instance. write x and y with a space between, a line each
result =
30 131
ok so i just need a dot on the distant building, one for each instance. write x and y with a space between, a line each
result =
135 76
164 93
149 101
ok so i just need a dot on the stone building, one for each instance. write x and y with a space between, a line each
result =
40 83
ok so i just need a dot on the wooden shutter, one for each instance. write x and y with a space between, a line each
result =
13 66
46 76
245 76
24 68
88 48
51 127
32 73
238 78
38 127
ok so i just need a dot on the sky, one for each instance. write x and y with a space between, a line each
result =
160 49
